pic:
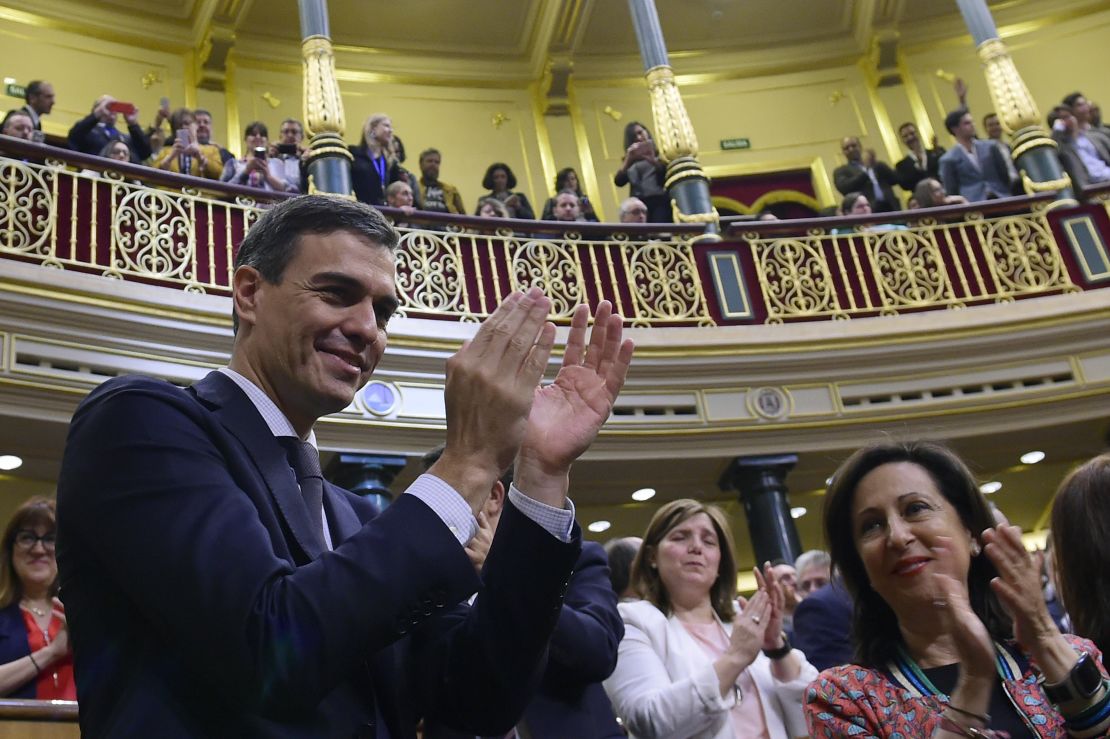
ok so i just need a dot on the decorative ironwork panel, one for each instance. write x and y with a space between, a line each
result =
554 268
663 279
154 235
430 275
28 208
795 278
1024 257
909 269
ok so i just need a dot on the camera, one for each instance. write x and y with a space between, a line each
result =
259 152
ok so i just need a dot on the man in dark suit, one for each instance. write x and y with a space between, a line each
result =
39 99
823 626
863 173
973 168
216 586
920 162
570 701
93 132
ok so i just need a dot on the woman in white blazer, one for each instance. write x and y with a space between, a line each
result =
689 666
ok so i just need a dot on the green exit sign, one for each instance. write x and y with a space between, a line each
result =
727 144
16 91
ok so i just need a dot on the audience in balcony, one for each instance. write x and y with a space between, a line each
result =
500 181
35 658
492 208
289 150
633 210
1084 155
204 135
155 132
438 196
374 166
644 173
399 195
940 592
567 179
91 133
18 124
256 169
919 162
973 168
184 154
865 174
689 663
567 207
1080 539
993 128
930 193
397 152
39 101
1097 123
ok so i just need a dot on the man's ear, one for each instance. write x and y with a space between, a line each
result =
245 284
496 500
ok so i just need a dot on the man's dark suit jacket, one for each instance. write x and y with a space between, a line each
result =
570 701
365 180
200 605
961 177
851 178
1072 163
823 626
909 169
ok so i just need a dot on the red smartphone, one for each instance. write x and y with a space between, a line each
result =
122 108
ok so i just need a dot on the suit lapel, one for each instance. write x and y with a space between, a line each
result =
241 418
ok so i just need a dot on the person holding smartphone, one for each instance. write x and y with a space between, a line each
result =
644 173
255 168
93 132
184 154
289 152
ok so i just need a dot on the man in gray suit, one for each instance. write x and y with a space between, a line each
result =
1086 162
973 168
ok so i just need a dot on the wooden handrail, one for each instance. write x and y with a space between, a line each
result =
25 709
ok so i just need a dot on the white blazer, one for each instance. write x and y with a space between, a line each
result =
665 686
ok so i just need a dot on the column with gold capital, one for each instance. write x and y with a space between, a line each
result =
1034 151
686 182
328 160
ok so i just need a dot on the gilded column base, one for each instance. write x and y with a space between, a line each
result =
329 165
690 200
1035 157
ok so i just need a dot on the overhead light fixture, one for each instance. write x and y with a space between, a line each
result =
798 512
598 526
643 494
988 488
1032 457
10 462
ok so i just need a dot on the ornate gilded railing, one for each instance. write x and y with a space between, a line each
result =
929 263
75 212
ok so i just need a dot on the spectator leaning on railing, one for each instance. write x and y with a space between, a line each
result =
255 168
185 154
18 125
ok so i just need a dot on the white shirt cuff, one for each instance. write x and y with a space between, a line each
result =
555 521
446 503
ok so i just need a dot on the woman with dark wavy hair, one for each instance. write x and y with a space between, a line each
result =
35 659
939 655
500 181
644 173
1081 540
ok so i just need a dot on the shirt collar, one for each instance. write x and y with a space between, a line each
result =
277 422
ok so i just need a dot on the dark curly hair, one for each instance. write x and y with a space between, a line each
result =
487 181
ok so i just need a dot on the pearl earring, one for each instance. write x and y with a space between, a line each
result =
975 548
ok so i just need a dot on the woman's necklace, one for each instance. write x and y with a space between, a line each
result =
40 612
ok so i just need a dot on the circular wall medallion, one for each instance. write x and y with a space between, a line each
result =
380 398
769 402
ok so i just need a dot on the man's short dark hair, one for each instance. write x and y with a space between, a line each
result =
906 125
432 456
988 116
272 241
1058 112
34 87
953 119
428 152
12 114
1072 99
202 111
255 128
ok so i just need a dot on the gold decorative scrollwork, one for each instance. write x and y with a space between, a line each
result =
796 279
323 106
1024 257
553 267
674 133
1013 103
154 235
430 273
27 209
663 279
909 270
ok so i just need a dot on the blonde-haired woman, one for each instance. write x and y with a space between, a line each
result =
690 665
374 166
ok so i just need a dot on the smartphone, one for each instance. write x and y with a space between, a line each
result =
259 152
184 135
122 108
287 149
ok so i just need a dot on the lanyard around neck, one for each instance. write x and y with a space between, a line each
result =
379 166
909 675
